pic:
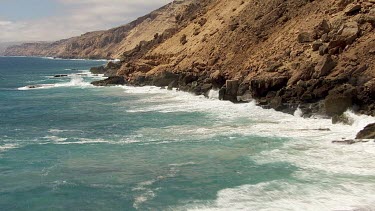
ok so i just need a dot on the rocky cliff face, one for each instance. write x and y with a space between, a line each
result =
316 55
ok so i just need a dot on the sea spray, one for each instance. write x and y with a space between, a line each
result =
145 148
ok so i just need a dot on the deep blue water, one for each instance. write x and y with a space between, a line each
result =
72 146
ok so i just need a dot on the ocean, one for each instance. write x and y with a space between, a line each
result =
67 145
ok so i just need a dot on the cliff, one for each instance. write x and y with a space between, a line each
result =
315 55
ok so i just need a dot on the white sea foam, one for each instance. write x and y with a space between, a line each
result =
7 147
213 94
55 138
283 195
266 122
76 80
85 141
57 58
309 148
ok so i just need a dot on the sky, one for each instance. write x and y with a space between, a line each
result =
49 20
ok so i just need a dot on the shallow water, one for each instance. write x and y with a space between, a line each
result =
70 146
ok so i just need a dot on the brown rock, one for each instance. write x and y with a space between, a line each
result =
316 45
324 67
349 32
323 49
352 9
343 3
114 80
305 37
231 90
343 119
339 100
367 133
183 39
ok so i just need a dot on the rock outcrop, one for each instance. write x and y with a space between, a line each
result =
113 80
367 133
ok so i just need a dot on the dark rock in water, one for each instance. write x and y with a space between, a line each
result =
260 87
222 93
367 133
217 79
60 76
164 79
231 89
206 88
336 105
114 80
277 103
98 70
339 100
34 86
188 78
173 84
349 142
341 119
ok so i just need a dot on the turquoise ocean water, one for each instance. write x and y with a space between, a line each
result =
70 146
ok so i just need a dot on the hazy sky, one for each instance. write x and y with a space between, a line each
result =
46 20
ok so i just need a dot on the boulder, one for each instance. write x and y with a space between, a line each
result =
323 49
316 45
60 76
276 103
352 9
324 67
343 119
164 79
173 84
367 133
188 78
217 79
349 32
231 89
343 3
114 80
98 70
260 87
348 141
337 104
305 37
324 27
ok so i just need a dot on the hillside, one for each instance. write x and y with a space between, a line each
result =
5 45
107 44
315 55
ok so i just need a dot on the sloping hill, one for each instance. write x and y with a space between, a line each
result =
110 43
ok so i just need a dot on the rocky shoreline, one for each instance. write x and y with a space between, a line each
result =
316 56
333 106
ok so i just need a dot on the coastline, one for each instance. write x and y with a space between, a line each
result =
227 92
58 58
